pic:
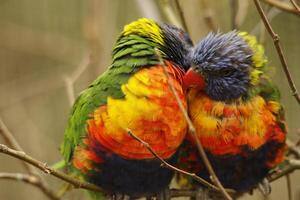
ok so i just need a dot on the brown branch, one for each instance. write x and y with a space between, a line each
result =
208 15
289 187
234 9
295 5
181 16
282 6
290 167
192 131
279 50
171 167
32 180
12 142
293 148
169 13
46 169
71 79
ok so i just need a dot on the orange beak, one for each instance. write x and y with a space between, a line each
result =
193 79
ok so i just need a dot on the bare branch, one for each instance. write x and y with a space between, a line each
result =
46 169
12 142
295 5
169 13
234 9
279 50
171 167
293 148
181 16
289 187
290 167
208 15
282 6
192 131
32 180
71 79
242 12
271 14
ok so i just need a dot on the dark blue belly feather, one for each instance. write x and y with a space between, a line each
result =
131 177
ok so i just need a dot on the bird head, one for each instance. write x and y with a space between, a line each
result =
225 66
173 43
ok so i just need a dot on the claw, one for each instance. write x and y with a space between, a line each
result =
264 187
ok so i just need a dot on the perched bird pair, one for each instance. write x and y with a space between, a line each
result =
232 104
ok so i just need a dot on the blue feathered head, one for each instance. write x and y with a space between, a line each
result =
225 61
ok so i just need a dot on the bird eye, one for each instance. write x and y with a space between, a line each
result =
226 72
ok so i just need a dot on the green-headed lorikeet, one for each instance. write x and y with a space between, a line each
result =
133 94
235 109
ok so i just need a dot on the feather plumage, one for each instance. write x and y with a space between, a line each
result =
237 114
133 93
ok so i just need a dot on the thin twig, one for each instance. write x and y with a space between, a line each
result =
271 14
293 148
279 50
169 13
12 142
289 168
30 179
46 169
192 131
295 5
282 6
242 12
171 167
289 186
234 10
181 16
71 79
208 15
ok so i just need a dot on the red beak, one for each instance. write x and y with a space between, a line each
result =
193 79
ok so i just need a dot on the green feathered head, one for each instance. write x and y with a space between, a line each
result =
173 43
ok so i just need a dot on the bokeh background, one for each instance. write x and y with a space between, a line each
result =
50 50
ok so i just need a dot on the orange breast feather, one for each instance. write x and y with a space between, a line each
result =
224 128
148 109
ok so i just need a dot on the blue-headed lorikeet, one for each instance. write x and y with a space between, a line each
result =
235 109
133 94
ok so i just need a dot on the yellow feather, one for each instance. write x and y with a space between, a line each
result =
258 58
145 27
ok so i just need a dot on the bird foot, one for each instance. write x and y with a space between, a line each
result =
119 197
264 187
163 195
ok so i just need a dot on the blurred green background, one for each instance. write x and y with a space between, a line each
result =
46 43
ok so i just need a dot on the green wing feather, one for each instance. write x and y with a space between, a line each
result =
129 55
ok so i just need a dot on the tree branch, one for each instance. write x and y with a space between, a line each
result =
32 180
46 169
289 187
289 168
208 15
169 13
192 131
71 79
181 16
282 6
294 149
279 50
12 142
171 167
234 9
295 5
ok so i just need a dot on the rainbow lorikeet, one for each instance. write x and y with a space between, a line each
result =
235 109
133 94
